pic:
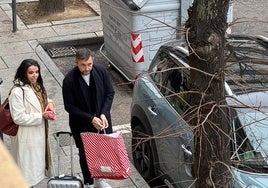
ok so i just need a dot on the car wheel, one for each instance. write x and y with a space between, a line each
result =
142 153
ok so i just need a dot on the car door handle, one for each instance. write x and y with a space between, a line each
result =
152 110
186 151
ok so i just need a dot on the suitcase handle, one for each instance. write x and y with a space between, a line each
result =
58 148
63 132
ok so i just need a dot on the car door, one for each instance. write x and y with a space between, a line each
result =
173 136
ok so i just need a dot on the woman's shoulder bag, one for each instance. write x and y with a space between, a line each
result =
7 126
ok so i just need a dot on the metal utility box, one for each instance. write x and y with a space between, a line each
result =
133 31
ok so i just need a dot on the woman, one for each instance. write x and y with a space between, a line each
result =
31 110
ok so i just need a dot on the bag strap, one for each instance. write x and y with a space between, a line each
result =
16 85
103 131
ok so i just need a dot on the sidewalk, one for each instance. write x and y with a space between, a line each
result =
25 43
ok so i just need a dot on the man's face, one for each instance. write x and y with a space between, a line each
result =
85 66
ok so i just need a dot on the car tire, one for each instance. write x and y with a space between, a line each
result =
142 153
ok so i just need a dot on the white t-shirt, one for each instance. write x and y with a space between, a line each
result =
86 78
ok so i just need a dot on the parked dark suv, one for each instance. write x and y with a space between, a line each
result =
161 138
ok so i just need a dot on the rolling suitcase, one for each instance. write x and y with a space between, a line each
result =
64 181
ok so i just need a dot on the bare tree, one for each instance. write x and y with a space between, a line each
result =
205 33
46 7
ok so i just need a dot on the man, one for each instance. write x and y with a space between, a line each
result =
88 95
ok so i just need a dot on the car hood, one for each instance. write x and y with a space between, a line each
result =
249 179
253 99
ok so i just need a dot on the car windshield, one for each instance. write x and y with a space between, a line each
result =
251 138
246 65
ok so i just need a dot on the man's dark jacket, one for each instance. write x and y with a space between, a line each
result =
77 105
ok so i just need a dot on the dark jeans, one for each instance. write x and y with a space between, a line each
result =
84 167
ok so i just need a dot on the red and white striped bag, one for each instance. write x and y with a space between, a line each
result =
106 155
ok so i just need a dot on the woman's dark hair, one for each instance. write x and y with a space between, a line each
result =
21 74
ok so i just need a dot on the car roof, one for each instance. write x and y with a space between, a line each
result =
246 62
181 44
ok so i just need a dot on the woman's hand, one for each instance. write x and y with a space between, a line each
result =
49 112
50 115
50 107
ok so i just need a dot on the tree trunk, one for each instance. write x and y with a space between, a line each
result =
205 32
46 7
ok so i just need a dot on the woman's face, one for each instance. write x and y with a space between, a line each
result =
32 74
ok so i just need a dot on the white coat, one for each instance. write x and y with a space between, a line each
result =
28 146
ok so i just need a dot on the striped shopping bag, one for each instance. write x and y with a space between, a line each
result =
106 155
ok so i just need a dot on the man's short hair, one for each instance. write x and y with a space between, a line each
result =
83 53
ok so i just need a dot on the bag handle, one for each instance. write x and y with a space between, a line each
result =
103 131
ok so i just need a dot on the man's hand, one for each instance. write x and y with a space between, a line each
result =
104 121
97 123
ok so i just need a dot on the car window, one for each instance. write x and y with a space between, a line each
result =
243 148
246 66
172 80
250 139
